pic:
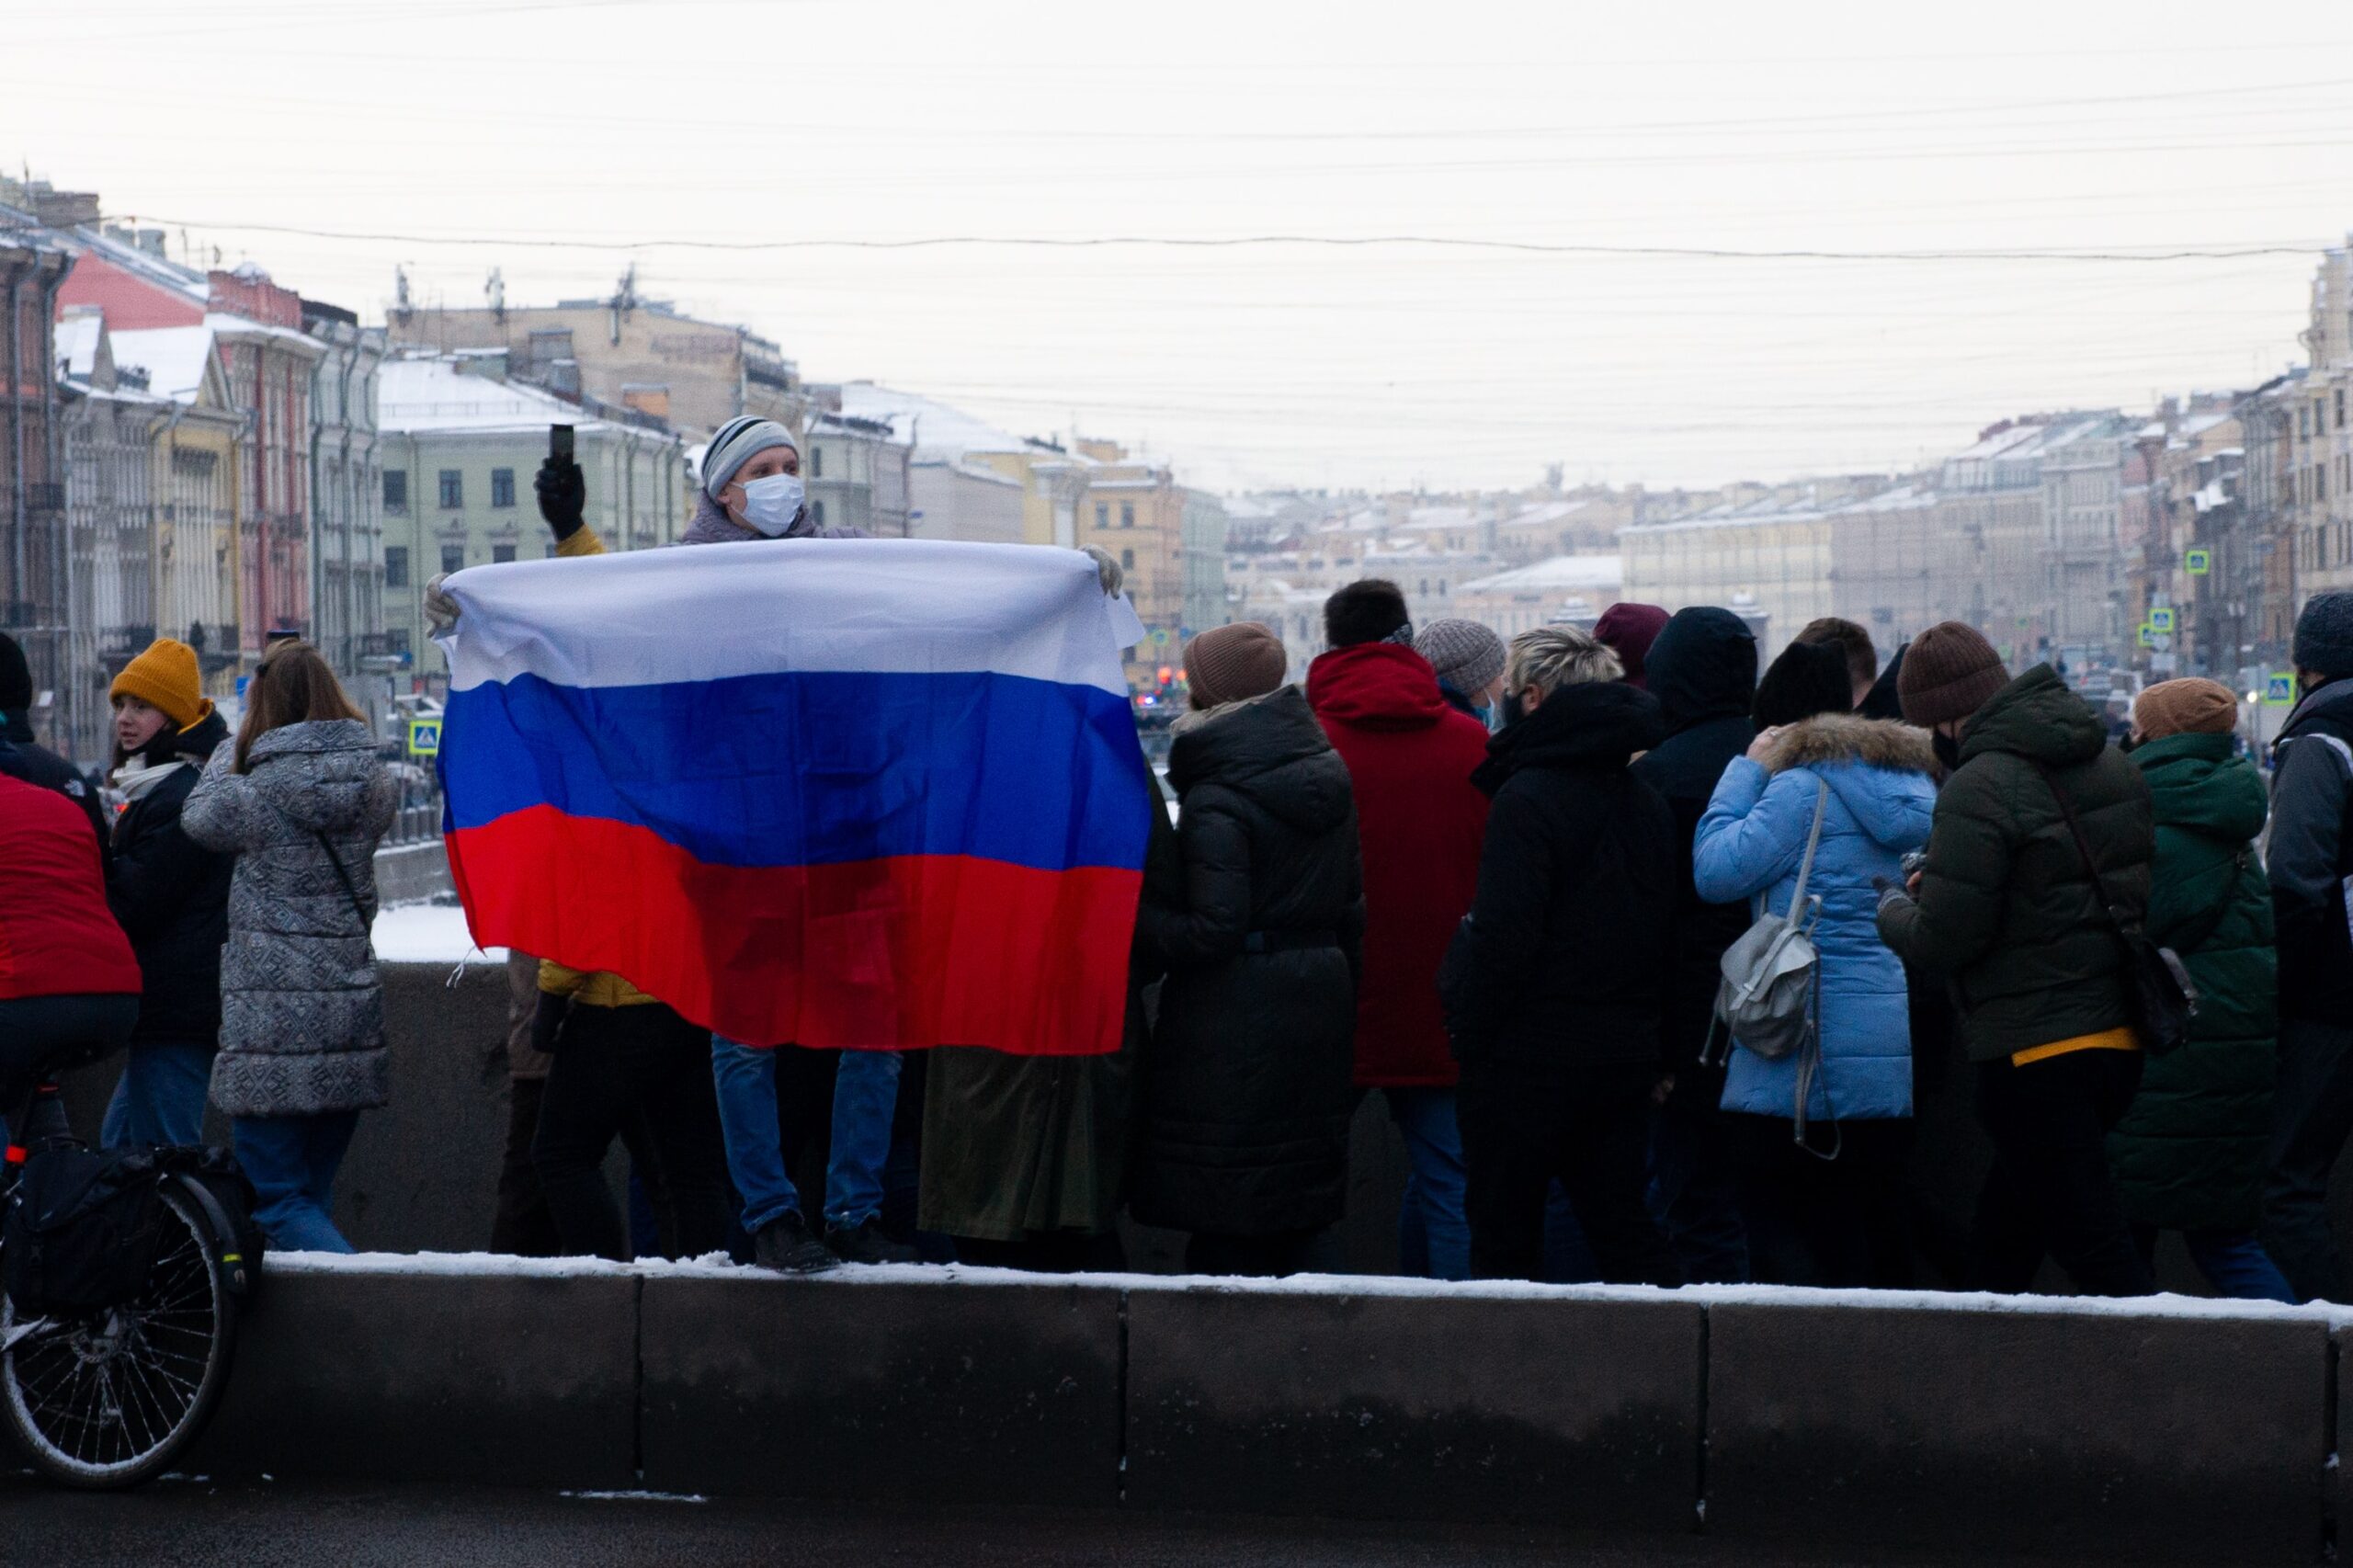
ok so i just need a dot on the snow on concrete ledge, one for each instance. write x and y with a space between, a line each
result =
716 1265
429 933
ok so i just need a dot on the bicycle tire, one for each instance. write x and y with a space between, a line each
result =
109 1400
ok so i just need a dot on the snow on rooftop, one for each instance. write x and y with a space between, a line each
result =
1559 572
173 357
937 431
77 344
432 394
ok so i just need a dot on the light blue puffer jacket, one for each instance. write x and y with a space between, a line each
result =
1751 840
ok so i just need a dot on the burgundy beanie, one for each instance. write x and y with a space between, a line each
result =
1229 663
1949 672
1628 630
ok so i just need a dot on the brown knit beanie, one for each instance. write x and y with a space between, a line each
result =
166 679
2188 707
1949 672
1228 664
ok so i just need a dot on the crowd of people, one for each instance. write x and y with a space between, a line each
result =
1496 884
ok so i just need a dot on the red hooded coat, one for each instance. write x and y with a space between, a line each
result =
1420 822
57 935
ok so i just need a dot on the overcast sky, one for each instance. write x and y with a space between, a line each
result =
1706 124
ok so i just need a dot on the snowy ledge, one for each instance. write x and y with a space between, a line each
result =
715 1266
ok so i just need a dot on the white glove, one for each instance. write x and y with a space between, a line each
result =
440 607
1106 570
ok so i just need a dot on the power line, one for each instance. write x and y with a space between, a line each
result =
1241 242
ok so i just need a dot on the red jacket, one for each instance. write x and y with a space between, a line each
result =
57 937
1420 821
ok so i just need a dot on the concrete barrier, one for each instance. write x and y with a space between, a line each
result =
915 1390
2063 1432
1775 1421
518 1378
1573 1412
412 873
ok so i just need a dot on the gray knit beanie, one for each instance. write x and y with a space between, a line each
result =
2324 635
1467 655
735 444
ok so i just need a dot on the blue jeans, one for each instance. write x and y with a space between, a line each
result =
866 1092
1433 1238
2233 1261
160 1097
291 1161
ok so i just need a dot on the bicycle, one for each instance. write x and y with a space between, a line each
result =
108 1398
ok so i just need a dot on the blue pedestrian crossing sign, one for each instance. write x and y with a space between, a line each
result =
2280 690
425 737
2161 620
2198 562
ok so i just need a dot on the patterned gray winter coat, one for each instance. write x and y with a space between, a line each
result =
302 1010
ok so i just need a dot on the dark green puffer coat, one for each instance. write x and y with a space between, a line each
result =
2007 911
2189 1155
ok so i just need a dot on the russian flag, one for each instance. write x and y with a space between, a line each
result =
860 793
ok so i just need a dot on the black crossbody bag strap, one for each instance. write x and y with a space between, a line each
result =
2126 928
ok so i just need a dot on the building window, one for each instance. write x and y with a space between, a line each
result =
453 558
502 487
817 513
1102 514
395 490
2340 408
1127 561
453 489
816 460
501 553
1127 514
395 562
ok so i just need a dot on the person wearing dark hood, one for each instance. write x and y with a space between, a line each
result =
1703 672
1556 982
171 895
1855 645
22 758
2309 858
2041 843
1419 820
1822 1137
1247 1092
1628 630
1884 701
302 799
2189 1155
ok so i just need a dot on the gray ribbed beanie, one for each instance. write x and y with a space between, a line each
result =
735 444
1467 655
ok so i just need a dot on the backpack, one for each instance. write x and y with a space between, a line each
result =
1766 1002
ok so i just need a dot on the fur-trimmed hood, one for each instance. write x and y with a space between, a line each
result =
1842 738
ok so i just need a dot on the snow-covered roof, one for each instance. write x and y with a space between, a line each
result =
1558 574
431 395
938 432
77 344
173 357
302 343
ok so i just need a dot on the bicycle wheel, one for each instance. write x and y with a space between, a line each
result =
109 1399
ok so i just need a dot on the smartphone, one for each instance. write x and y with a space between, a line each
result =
559 443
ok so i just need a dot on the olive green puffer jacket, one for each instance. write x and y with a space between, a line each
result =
2007 911
2189 1155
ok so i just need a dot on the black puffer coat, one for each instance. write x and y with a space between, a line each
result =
1563 962
2006 910
1702 669
1247 1081
171 895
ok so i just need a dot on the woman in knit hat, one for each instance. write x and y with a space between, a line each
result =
2190 1154
170 893
1469 659
1247 1092
1628 630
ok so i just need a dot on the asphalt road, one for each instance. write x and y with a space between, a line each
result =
187 1524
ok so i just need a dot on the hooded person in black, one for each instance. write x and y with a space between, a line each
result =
1884 701
1703 672
1556 983
20 757
1248 1081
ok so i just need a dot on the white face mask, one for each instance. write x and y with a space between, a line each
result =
771 504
